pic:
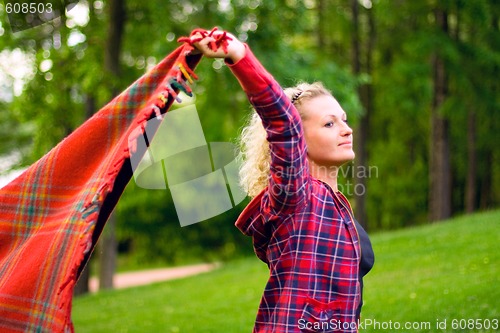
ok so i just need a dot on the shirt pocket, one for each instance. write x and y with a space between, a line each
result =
320 317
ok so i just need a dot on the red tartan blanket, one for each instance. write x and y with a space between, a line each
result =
52 214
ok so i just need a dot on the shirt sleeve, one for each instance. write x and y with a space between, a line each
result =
289 179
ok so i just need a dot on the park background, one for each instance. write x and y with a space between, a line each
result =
418 80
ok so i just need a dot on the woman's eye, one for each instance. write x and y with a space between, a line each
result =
346 121
329 124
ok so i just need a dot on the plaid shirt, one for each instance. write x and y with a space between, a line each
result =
301 228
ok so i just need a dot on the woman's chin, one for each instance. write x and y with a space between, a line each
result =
349 157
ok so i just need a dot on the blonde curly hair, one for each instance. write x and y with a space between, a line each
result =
254 148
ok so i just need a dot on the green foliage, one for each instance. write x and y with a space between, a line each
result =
421 275
18 139
403 81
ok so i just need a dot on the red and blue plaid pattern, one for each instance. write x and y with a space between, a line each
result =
52 214
301 228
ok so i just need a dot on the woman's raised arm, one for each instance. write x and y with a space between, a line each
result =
288 185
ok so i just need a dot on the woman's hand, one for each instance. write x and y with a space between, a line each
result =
235 49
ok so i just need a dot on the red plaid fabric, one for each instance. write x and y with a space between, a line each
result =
301 228
52 215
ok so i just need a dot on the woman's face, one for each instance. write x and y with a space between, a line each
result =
327 135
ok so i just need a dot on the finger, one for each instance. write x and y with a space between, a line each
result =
204 44
196 38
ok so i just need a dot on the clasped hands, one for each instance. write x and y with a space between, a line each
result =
215 44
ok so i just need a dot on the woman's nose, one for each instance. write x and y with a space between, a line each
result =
346 130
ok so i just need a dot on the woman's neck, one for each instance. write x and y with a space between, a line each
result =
326 174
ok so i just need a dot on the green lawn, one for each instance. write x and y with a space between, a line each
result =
422 277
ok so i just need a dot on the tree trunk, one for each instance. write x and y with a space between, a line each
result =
355 38
365 92
439 168
115 33
486 181
82 285
108 254
108 243
321 24
471 181
90 106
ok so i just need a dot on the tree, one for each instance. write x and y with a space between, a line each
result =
363 32
439 167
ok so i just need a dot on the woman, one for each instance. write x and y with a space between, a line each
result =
301 225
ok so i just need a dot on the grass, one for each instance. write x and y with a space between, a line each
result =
422 276
221 301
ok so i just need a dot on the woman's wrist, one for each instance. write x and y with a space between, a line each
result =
250 73
236 52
